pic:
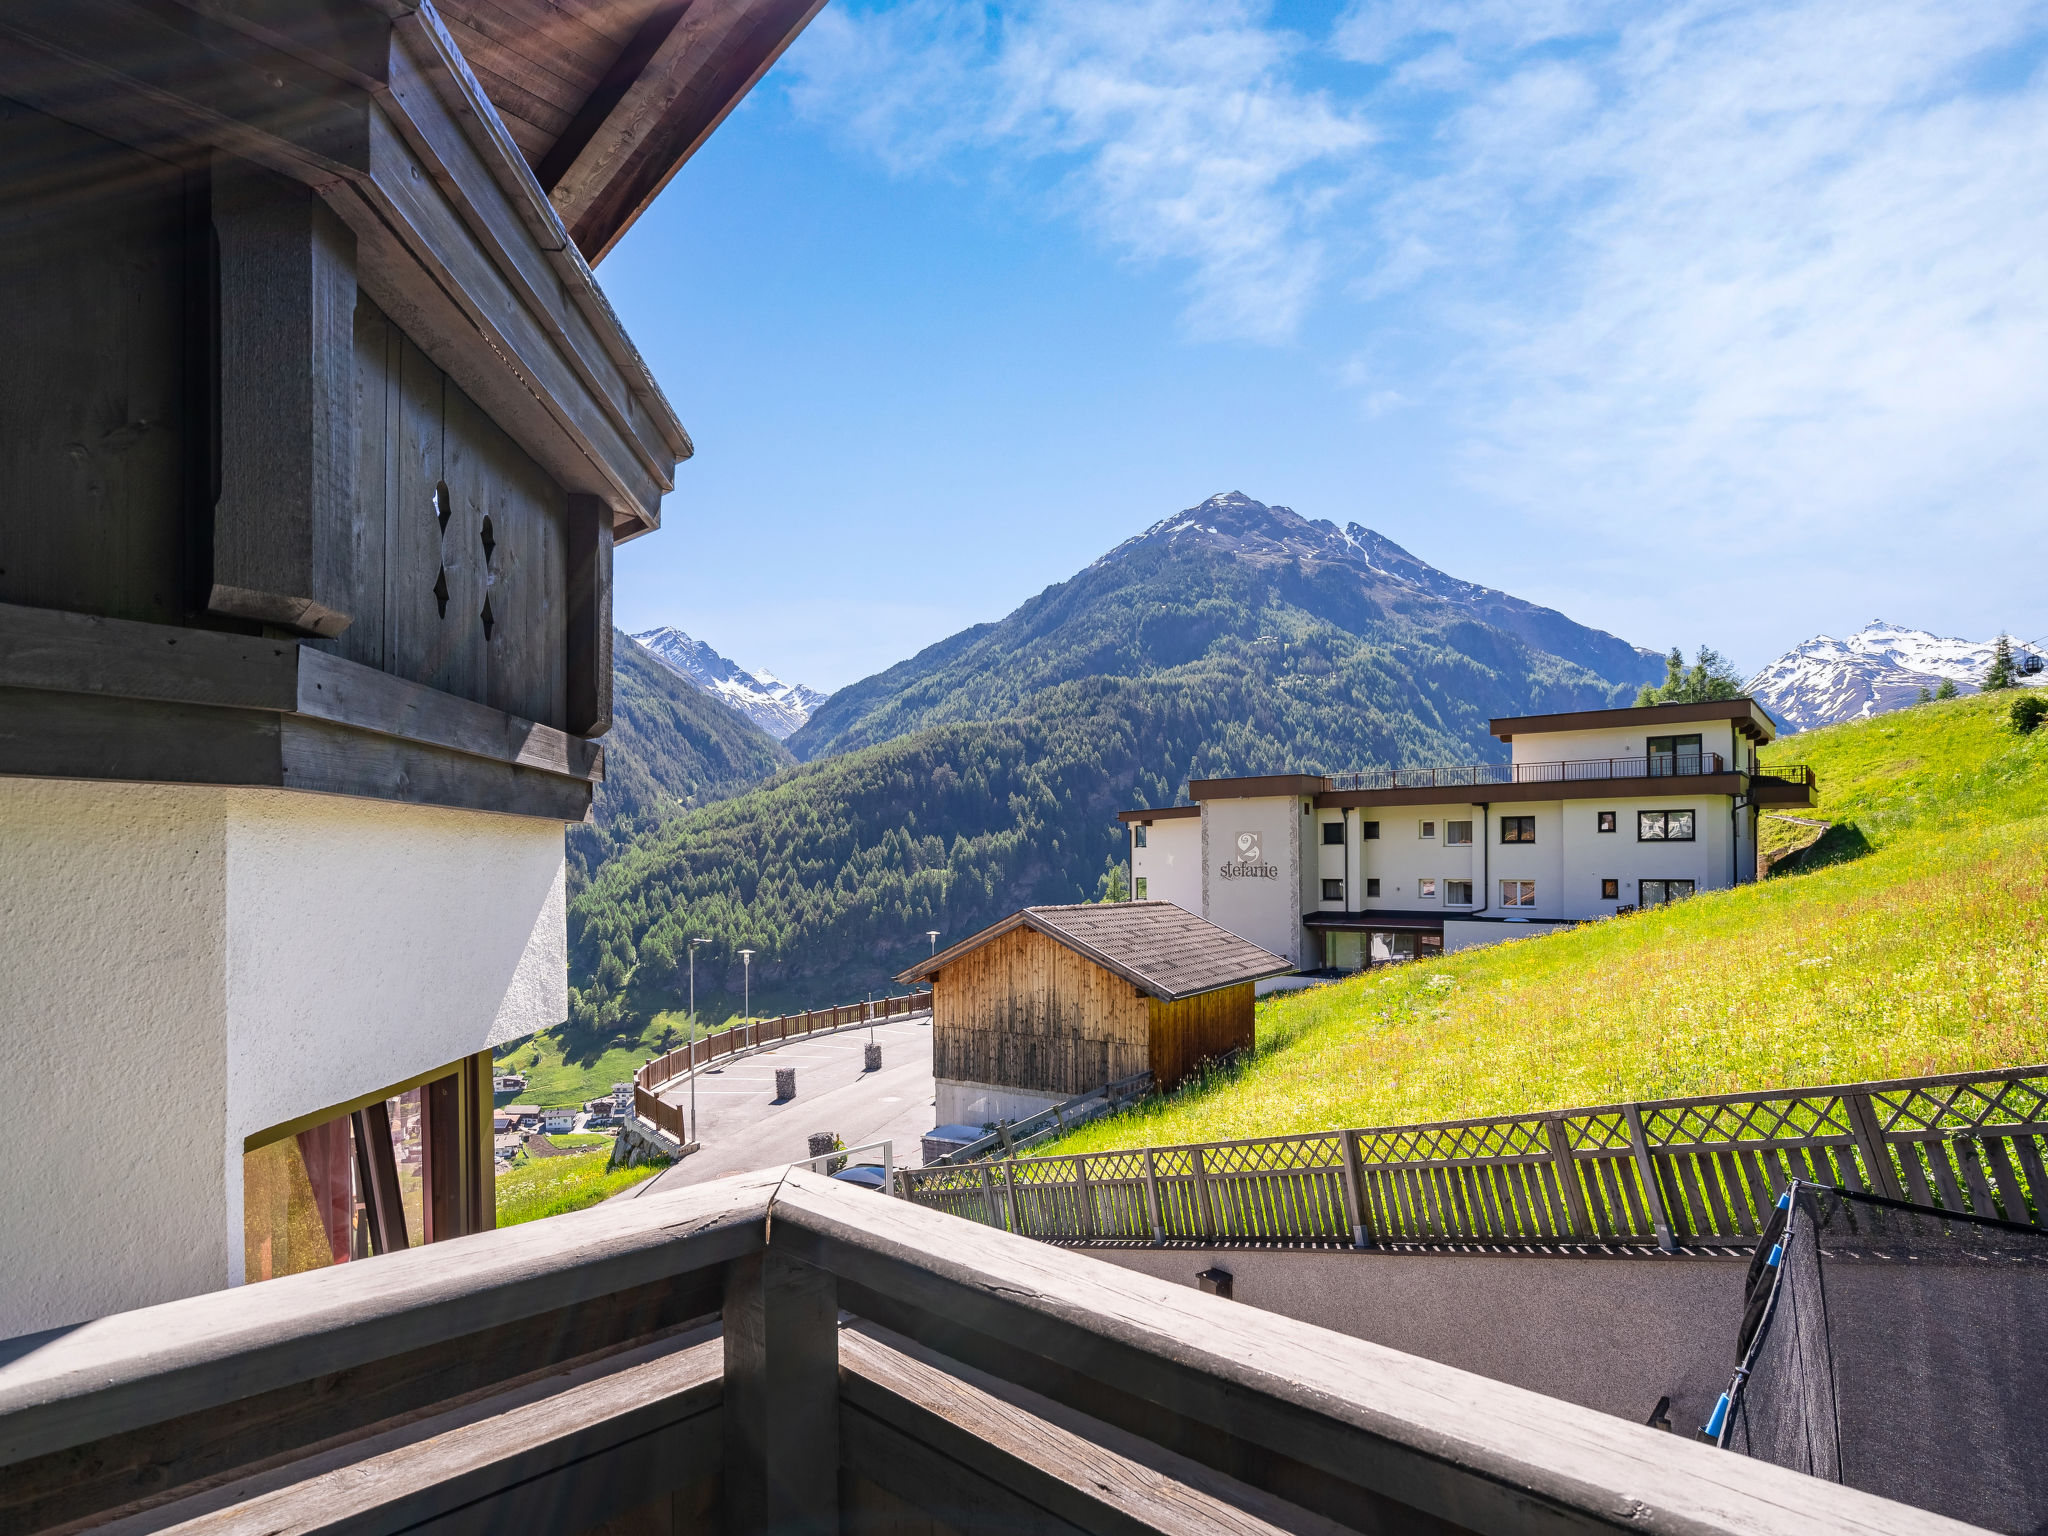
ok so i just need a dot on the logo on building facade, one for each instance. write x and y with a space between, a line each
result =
1250 863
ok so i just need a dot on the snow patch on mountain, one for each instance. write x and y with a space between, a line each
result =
775 706
1881 667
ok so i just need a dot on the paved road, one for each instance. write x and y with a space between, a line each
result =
745 1128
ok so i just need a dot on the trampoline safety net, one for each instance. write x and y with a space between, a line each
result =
1900 1349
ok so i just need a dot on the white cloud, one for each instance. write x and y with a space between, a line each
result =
1172 127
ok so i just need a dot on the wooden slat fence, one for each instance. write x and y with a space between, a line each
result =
1663 1173
647 1102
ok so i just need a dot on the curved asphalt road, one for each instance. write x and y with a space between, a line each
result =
745 1128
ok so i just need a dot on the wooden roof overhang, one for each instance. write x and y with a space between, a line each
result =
376 109
1150 981
1268 786
1540 790
1145 818
1748 715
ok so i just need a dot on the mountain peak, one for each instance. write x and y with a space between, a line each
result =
1880 667
775 706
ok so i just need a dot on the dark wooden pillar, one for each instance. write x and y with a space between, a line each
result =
461 1187
590 616
281 528
781 1413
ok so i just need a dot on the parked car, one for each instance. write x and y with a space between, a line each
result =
866 1175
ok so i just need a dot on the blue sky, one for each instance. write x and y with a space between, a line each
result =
1701 322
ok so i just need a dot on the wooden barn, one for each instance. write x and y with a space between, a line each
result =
1055 1001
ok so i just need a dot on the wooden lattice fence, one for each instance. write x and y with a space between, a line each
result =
1700 1172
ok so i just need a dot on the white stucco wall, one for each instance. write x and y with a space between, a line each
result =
1266 911
1400 858
113 901
188 965
369 942
1626 739
1170 863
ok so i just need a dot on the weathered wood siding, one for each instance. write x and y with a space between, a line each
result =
433 474
1025 1012
99 485
1184 1034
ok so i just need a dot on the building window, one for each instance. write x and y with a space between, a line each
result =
1457 834
1674 755
1333 890
1607 821
1428 829
1655 893
1425 890
1518 893
1139 885
1610 890
1138 835
1518 829
1663 826
1457 893
1371 831
1333 834
1372 887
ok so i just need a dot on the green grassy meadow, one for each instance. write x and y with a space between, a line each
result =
563 1066
1912 938
549 1186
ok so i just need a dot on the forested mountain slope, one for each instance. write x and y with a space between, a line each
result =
671 747
1336 622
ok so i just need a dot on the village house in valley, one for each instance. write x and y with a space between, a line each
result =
316 437
1052 1002
1595 813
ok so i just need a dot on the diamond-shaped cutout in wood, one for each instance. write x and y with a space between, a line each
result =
444 505
441 591
490 539
488 622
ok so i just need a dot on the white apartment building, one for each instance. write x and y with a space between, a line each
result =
1596 812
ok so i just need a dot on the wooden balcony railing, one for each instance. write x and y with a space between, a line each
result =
647 1104
1703 1172
782 1353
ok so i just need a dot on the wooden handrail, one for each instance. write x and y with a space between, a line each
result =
652 1074
1700 1172
694 1347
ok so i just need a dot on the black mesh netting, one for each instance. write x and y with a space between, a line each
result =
1899 1349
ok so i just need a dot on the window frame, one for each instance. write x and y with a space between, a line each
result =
1610 889
1138 835
1425 888
1692 823
1452 901
1138 888
1337 894
1336 827
1607 821
1372 885
1518 824
1524 897
1665 898
1369 831
1452 839
1426 830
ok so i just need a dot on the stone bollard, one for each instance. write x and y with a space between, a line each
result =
785 1088
874 1058
823 1142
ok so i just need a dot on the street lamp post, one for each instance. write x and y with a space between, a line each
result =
747 992
696 1132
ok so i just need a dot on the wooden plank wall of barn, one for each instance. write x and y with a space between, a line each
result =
1186 1033
1025 1012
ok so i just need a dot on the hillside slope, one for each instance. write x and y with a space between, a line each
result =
671 747
1920 949
1337 622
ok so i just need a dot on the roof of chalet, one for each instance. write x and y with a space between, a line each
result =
607 98
1749 716
1156 946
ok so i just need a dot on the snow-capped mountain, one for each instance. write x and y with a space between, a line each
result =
775 706
1254 533
1881 667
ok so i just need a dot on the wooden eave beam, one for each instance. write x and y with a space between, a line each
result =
712 56
115 699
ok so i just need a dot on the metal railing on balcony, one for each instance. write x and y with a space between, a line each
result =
1473 775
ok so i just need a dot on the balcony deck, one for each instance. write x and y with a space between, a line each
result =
782 1353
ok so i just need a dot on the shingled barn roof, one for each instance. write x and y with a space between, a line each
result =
1158 947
